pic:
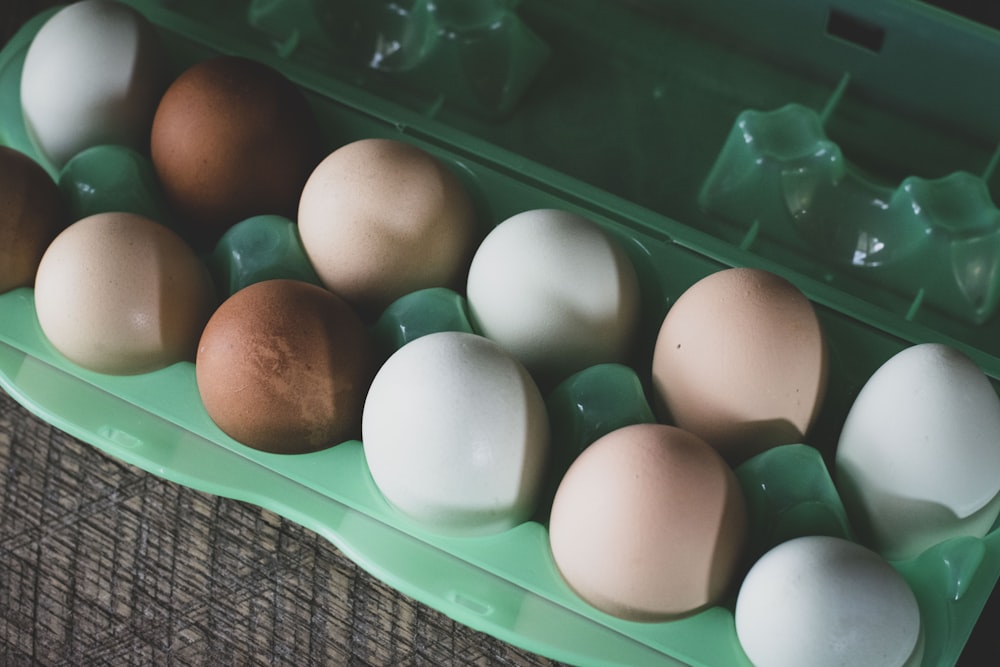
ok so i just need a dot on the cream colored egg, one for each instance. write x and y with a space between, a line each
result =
456 434
380 218
119 293
918 459
649 524
827 602
741 361
555 290
92 75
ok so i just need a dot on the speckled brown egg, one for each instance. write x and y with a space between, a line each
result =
232 138
380 218
283 366
30 217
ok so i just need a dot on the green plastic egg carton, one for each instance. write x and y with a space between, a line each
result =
849 147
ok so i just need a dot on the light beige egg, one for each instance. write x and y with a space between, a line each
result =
119 293
380 218
741 361
648 524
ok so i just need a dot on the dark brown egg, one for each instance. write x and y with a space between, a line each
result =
232 138
284 366
30 217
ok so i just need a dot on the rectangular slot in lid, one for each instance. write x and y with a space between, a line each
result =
849 28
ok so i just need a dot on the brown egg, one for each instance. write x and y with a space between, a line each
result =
118 293
381 218
284 366
232 138
30 217
741 361
649 524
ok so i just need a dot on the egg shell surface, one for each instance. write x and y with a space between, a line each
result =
92 75
118 293
232 138
827 602
648 524
283 366
30 217
456 434
556 290
918 459
381 218
741 360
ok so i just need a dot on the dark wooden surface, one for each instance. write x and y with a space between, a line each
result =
101 563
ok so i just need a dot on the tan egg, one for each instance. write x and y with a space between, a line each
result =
284 366
232 138
381 218
119 293
30 217
649 524
741 361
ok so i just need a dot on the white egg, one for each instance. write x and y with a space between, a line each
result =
918 460
827 602
456 434
555 290
92 75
